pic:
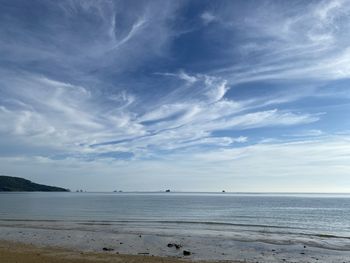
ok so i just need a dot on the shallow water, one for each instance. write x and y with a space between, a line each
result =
321 220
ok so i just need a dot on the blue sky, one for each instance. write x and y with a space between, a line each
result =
186 95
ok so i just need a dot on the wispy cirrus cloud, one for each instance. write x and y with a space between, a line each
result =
113 85
308 42
70 116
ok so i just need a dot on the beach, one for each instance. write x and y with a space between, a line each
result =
23 243
168 228
175 131
11 252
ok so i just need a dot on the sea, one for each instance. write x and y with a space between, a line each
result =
321 220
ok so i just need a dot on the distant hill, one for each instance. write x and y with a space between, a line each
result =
16 184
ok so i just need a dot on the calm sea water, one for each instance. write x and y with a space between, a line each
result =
306 214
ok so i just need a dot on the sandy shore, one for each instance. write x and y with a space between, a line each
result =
54 242
11 252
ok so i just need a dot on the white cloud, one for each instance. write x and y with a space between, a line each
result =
91 96
309 43
327 8
208 17
67 116
62 114
183 75
133 31
314 165
264 119
308 133
216 91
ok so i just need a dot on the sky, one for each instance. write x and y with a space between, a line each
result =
246 96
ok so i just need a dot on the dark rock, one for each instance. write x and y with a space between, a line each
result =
177 246
186 253
107 249
304 246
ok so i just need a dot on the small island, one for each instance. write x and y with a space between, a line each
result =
17 184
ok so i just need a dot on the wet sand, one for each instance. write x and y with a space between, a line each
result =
43 242
11 252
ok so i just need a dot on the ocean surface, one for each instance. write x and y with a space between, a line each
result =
322 220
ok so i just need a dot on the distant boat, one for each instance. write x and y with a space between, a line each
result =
167 191
223 191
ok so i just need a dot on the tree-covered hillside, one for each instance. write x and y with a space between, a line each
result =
13 184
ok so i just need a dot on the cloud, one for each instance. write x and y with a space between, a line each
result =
307 43
186 77
108 87
61 113
190 79
271 165
270 118
66 116
133 31
308 133
208 17
325 10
